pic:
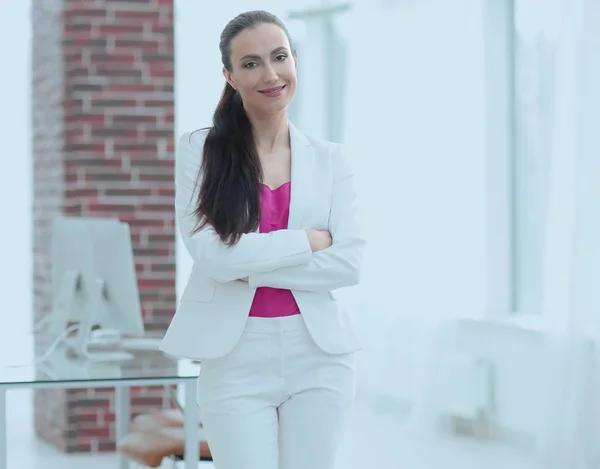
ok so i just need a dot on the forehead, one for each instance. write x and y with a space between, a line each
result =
259 40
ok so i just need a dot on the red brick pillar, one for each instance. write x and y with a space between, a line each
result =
103 117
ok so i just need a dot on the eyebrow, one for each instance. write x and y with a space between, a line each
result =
257 57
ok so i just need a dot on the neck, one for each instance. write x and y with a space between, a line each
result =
270 130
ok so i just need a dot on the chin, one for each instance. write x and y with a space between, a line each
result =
275 108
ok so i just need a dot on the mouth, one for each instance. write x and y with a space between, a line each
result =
276 89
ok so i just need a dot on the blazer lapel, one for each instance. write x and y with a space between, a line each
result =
303 167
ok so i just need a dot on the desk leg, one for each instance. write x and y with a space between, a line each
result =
3 432
192 445
122 418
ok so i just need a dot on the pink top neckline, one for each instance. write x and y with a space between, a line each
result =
277 188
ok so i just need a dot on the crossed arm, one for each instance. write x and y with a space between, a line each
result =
280 259
339 265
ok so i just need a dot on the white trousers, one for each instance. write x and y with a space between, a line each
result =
277 401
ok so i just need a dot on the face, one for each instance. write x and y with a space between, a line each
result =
263 68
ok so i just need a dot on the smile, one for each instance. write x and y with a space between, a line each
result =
273 91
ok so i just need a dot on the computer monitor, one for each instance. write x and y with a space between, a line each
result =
94 282
73 272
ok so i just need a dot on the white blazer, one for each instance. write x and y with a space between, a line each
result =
215 304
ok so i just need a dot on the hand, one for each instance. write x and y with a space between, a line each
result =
319 239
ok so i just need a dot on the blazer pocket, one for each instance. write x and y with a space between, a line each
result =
198 292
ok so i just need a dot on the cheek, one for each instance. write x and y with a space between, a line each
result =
245 86
290 75
292 79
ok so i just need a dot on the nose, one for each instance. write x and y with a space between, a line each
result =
269 76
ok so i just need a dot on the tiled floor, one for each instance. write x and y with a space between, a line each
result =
374 441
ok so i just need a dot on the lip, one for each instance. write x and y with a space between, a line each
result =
275 89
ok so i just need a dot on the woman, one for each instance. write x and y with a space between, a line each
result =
268 215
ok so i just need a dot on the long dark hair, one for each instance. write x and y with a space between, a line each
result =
231 173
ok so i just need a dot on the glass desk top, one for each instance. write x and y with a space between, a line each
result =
20 365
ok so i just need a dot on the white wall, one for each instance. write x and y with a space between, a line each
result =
16 264
415 128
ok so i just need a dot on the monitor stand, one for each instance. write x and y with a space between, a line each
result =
83 339
58 318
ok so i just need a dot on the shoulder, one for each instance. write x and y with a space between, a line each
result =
188 155
335 154
325 149
188 151
193 140
322 146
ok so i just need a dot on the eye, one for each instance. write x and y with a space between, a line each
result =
281 57
250 65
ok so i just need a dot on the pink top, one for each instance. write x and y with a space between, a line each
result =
275 209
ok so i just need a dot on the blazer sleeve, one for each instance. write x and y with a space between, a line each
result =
254 253
340 265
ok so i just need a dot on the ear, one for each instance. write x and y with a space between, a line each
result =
228 77
295 55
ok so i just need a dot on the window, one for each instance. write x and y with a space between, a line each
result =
533 55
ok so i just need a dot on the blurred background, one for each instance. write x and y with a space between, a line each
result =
472 125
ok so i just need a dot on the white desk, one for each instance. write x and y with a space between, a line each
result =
148 368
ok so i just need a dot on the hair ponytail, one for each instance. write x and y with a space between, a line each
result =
231 173
229 199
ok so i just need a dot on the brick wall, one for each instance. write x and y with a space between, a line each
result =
103 116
